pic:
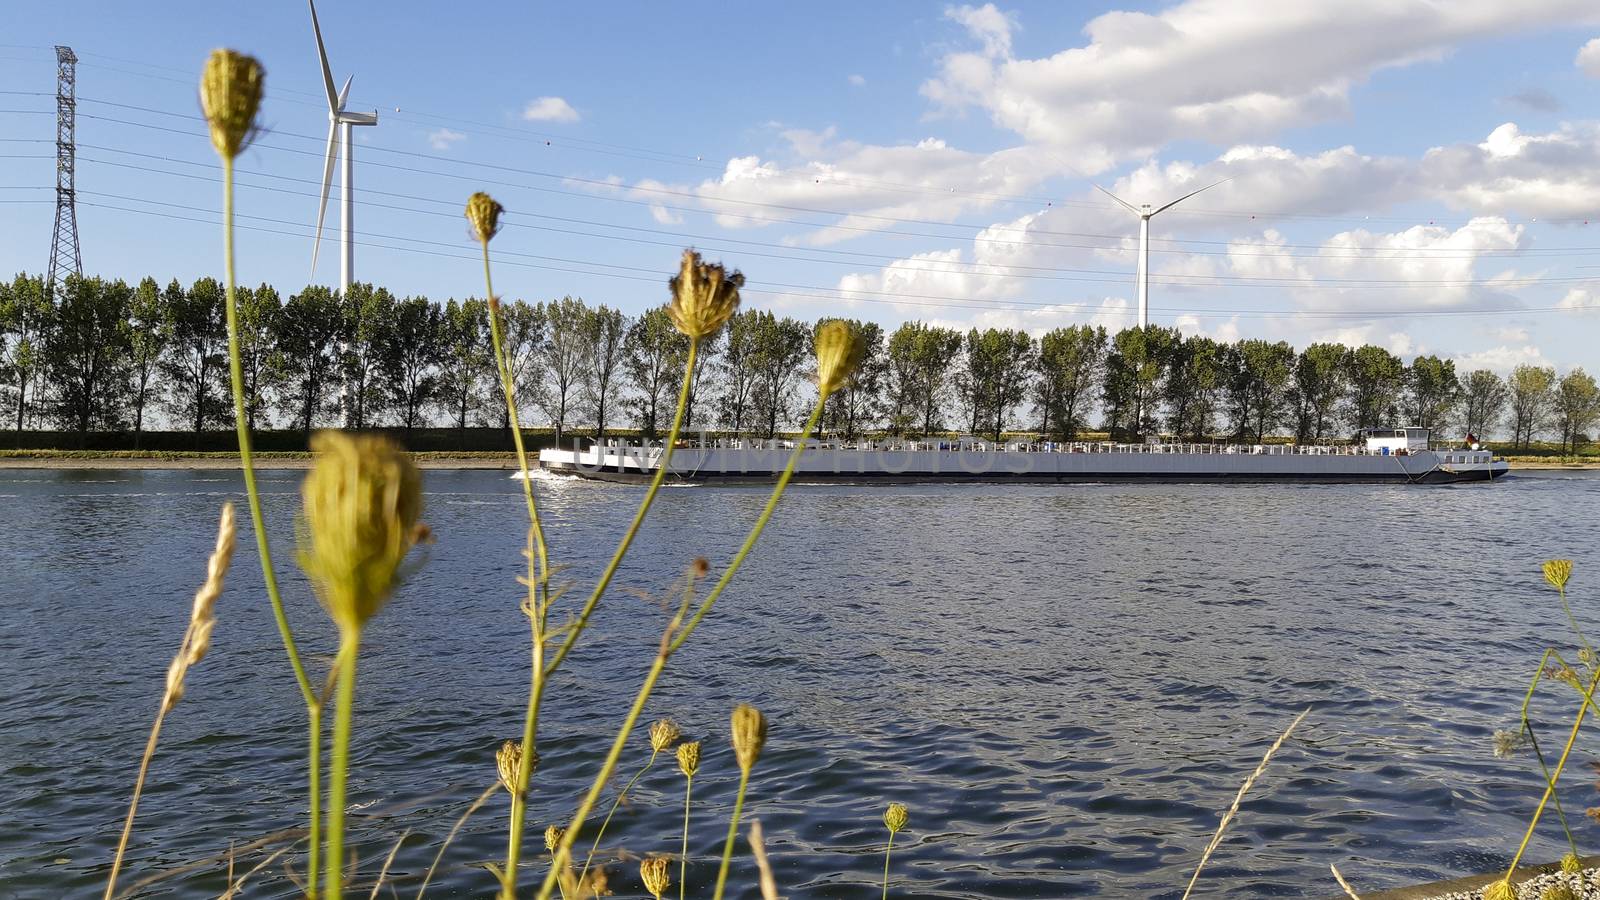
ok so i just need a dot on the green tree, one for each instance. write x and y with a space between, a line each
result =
561 360
706 366
1577 408
1431 391
1258 378
1483 402
466 361
1071 361
368 315
25 319
305 365
737 370
654 356
605 332
86 357
411 359
1319 384
1375 377
1134 369
1195 376
149 333
995 380
933 356
781 348
196 363
521 330
1533 391
859 405
259 310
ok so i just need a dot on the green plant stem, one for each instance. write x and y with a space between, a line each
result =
886 851
683 856
263 549
1561 764
576 628
733 832
607 821
538 598
349 647
1527 728
1573 621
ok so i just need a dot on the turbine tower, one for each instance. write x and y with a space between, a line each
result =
340 123
1145 214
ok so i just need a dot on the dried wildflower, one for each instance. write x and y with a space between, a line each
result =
895 817
704 296
1507 743
362 499
749 735
1587 657
1593 812
839 350
1559 891
1500 890
700 568
689 758
664 734
230 94
1570 864
653 871
202 615
509 761
1563 674
1557 571
553 836
484 214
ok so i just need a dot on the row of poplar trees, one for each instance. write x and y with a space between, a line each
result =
105 355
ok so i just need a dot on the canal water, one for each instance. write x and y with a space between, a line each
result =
1065 684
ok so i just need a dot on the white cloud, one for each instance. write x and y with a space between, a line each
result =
549 109
1196 70
444 138
1500 359
858 80
1589 58
1582 301
1553 175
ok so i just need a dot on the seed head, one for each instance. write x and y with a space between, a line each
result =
484 214
839 351
553 836
1557 571
749 735
689 758
509 761
1500 890
1506 743
203 614
1559 891
362 499
895 817
1570 864
654 871
699 568
230 94
704 296
664 734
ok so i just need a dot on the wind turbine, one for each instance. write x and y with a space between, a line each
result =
339 124
1145 214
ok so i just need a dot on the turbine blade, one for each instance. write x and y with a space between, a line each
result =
1190 194
1126 204
344 92
327 181
322 54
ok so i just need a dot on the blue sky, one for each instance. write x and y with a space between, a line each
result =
1416 177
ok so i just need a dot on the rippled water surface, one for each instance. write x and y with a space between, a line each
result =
1066 684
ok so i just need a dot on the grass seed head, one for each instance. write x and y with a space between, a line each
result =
484 214
895 817
362 496
655 872
552 837
1561 891
1557 571
689 758
839 351
203 614
700 568
664 734
749 735
1506 743
704 296
230 95
509 761
1570 864
1500 890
